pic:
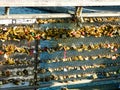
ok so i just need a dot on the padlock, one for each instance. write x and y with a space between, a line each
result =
25 72
7 73
95 76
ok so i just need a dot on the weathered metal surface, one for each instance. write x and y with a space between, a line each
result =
83 84
12 20
43 3
20 87
29 18
72 9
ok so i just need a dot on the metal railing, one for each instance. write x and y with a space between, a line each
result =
49 77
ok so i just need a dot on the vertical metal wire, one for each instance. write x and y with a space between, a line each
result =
36 62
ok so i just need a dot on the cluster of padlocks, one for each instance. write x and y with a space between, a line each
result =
17 57
88 51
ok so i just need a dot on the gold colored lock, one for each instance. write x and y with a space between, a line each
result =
95 76
10 61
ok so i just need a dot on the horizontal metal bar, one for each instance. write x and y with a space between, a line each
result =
71 53
21 43
81 84
88 40
44 3
3 67
31 18
75 72
90 78
26 87
15 19
105 84
79 63
21 56
57 15
74 25
79 41
20 88
16 76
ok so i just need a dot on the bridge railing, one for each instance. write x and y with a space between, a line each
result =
56 3
12 19
51 3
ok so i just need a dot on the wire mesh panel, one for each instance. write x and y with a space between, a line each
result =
46 54
16 58
72 53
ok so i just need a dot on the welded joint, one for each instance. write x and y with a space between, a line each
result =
7 10
78 13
